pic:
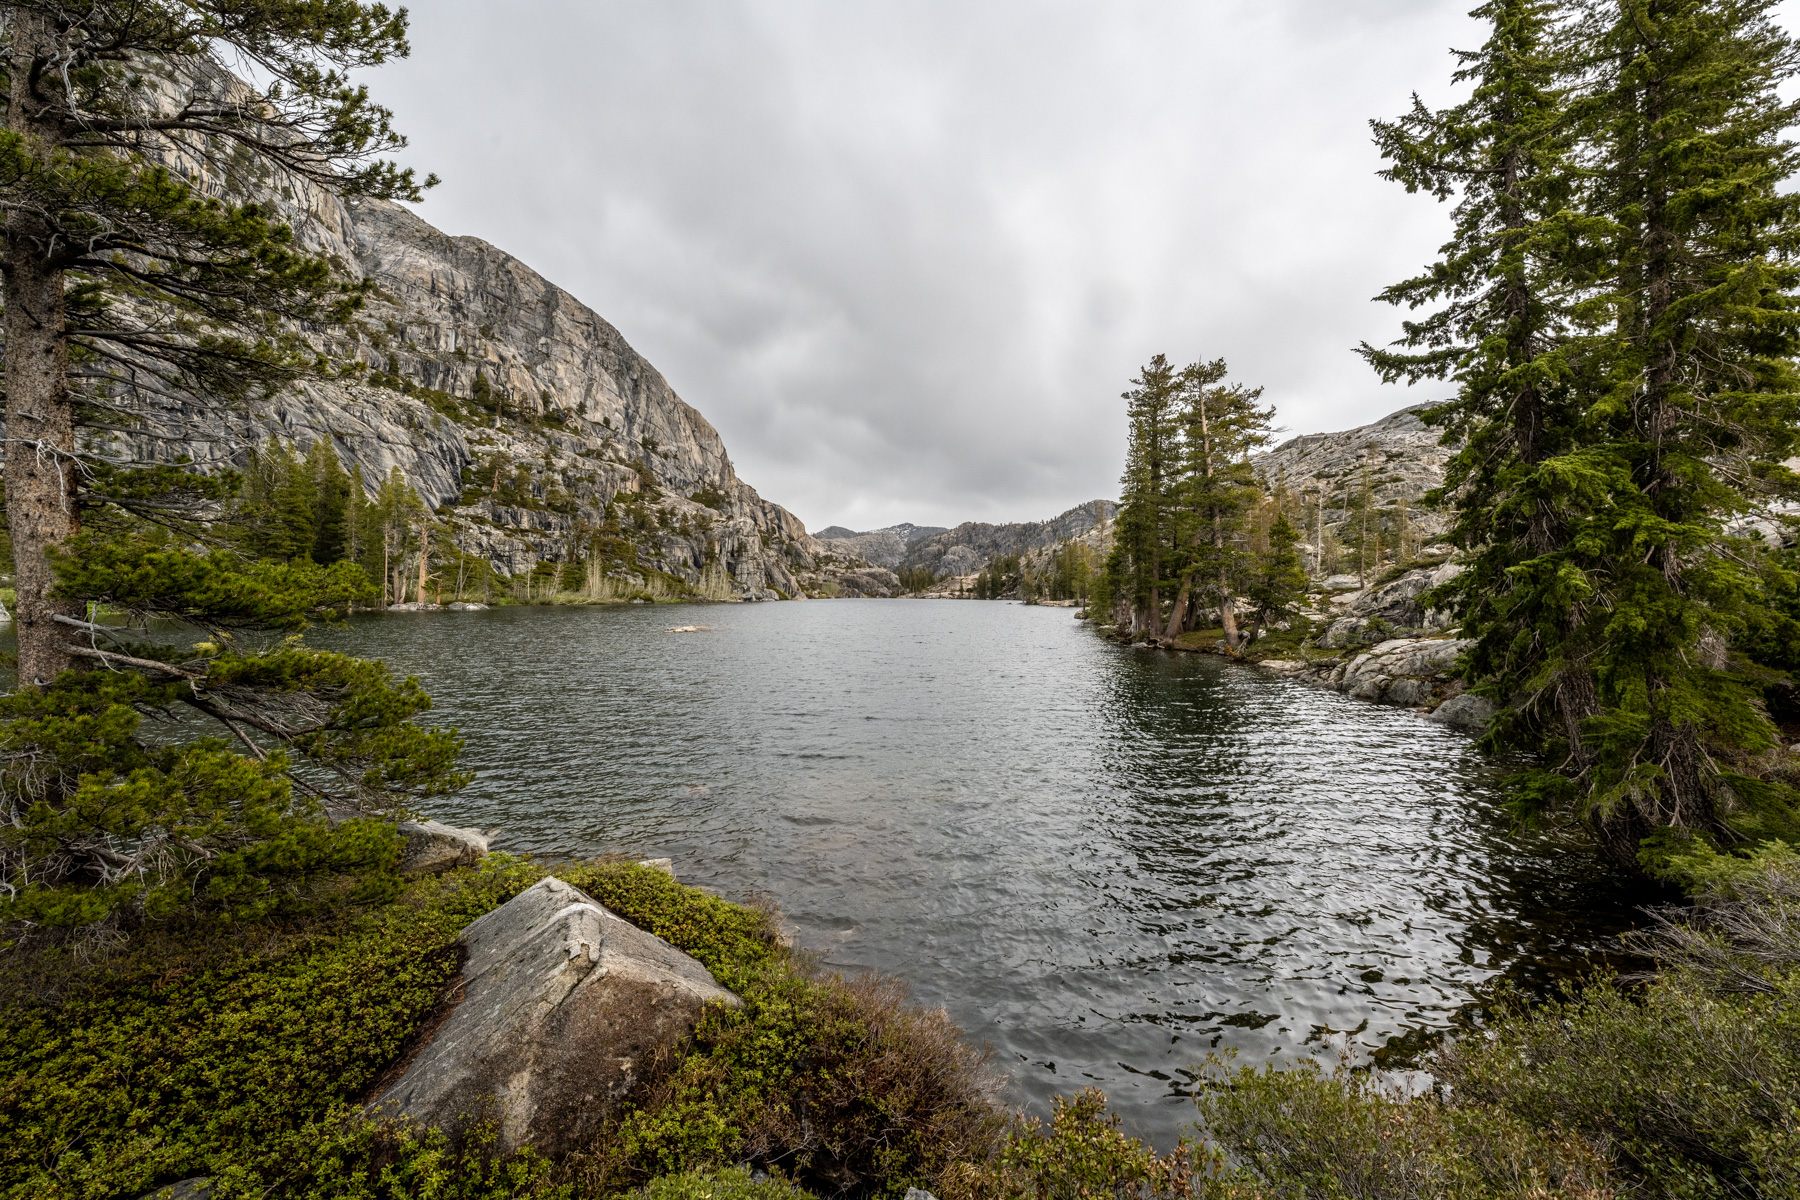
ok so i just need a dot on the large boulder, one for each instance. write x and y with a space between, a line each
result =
433 847
563 1004
1393 609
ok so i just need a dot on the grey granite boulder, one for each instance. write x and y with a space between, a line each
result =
563 1004
1467 712
433 847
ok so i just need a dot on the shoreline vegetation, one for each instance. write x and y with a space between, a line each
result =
212 952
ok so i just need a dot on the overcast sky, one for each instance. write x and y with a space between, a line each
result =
905 255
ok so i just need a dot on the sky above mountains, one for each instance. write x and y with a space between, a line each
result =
905 254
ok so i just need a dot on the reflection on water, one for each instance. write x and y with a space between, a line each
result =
1103 861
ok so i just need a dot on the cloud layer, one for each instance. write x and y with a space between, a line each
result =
906 254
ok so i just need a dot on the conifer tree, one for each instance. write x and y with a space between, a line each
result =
331 499
1277 585
125 281
1147 490
121 279
1615 307
1221 425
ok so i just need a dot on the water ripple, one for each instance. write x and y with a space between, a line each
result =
1103 861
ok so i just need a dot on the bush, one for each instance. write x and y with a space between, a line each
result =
1686 1087
1083 1155
198 1047
735 1184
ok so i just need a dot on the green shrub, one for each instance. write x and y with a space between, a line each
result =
735 1184
191 1049
1083 1155
1304 1133
1686 1087
840 1084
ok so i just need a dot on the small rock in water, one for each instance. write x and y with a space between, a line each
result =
466 606
688 629
665 865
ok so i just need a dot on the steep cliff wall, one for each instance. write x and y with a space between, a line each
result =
517 412
1401 452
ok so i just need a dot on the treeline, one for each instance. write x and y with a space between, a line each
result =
292 508
1616 305
1196 531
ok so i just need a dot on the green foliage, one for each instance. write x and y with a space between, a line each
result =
201 1050
1616 308
110 823
1182 534
1000 578
145 573
345 1156
1686 1087
735 1184
1083 1155
916 579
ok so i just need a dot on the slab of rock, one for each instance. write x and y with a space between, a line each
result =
433 847
563 1003
1467 712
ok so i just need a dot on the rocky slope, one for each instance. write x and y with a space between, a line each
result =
972 544
517 412
878 547
1400 451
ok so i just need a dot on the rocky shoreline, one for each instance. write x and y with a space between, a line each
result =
1378 642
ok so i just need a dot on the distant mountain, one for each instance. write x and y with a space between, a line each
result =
972 544
881 547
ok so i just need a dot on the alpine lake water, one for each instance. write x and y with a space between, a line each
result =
1105 862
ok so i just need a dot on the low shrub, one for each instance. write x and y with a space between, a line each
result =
840 1084
1082 1155
734 1184
1686 1086
180 1054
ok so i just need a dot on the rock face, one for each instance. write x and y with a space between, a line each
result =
1391 610
517 412
972 544
878 547
563 1001
868 582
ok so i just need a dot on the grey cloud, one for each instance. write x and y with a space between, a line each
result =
905 255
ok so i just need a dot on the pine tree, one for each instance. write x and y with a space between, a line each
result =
1221 425
1147 502
331 500
121 279
1277 585
124 284
1617 314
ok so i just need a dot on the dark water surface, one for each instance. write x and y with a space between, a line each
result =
1103 861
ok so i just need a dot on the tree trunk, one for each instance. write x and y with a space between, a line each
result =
1181 606
1227 619
424 553
40 470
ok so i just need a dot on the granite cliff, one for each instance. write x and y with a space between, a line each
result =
523 418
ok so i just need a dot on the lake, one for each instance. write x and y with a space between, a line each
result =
1103 861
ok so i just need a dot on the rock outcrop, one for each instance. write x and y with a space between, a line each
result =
433 847
1400 451
971 545
517 413
562 1005
877 547
1391 610
1412 672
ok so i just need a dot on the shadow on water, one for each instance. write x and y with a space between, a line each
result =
1104 862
